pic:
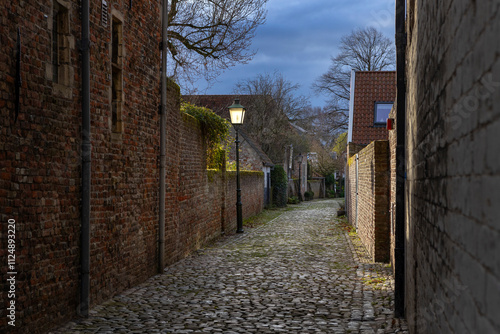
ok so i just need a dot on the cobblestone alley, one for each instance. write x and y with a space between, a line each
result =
300 273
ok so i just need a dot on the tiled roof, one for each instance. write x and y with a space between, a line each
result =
371 87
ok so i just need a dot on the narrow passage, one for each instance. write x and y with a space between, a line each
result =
299 273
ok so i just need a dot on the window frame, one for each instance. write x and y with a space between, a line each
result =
116 60
375 109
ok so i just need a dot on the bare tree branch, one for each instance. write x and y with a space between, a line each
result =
362 50
272 103
209 36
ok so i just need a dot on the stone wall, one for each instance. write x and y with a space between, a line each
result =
40 164
453 167
369 212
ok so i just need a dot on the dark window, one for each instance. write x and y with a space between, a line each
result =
60 45
382 110
116 75
55 42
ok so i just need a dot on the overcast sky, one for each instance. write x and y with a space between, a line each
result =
299 38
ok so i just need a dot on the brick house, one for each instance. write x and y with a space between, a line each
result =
367 170
43 153
372 96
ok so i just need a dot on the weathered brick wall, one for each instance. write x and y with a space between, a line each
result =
373 198
39 172
453 167
124 191
252 196
352 150
40 168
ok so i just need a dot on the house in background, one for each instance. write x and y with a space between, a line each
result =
367 170
372 97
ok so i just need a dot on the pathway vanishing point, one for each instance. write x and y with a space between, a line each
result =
300 273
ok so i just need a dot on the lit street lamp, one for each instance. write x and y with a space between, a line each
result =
237 113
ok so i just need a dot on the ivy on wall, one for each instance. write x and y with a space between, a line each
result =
215 130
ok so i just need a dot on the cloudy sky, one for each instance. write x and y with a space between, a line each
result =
299 38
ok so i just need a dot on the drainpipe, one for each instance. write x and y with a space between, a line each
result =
399 252
86 164
163 136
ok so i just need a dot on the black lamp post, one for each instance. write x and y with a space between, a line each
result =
237 113
299 160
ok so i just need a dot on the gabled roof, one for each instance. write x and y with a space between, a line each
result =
256 147
369 87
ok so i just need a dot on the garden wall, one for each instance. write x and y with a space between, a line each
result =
368 205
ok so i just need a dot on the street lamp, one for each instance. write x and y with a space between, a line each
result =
299 160
237 113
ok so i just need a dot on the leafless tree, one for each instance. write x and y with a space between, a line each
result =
208 36
272 102
362 50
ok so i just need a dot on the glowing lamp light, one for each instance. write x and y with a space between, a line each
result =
237 113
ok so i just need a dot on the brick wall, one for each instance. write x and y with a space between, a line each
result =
39 172
40 165
453 167
350 185
370 211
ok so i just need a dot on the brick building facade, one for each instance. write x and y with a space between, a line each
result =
41 159
453 167
367 170
368 211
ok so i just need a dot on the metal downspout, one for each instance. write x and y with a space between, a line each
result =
399 252
86 164
163 136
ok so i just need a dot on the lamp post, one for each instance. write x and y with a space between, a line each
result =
299 160
237 113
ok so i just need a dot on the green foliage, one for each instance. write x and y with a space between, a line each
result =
279 182
293 200
215 130
329 180
340 144
308 195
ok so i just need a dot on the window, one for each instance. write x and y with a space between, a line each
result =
60 44
382 110
117 74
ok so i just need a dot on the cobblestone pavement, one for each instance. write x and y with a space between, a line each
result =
300 273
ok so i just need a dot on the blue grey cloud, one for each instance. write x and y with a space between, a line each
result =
299 38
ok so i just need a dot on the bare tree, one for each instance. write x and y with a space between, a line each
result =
362 50
273 102
208 36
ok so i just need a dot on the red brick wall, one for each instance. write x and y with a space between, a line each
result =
40 167
371 87
373 198
39 172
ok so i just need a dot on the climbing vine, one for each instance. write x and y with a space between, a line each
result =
215 130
